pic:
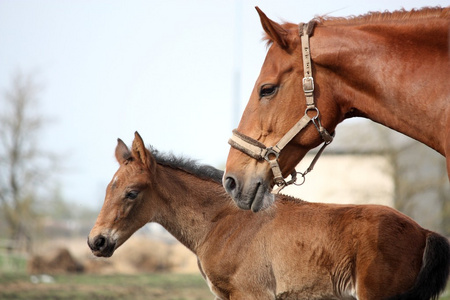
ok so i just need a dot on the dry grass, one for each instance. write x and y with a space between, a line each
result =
91 286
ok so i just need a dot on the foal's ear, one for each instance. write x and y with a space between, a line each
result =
123 154
139 151
274 30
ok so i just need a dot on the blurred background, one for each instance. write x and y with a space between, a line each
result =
76 75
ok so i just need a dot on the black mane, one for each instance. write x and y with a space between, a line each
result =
188 165
202 171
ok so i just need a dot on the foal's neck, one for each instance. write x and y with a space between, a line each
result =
389 74
188 205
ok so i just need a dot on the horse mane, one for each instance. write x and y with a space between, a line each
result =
373 17
188 165
288 198
398 15
203 171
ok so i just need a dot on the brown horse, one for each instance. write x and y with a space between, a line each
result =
392 68
291 250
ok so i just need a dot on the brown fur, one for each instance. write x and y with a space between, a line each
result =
392 68
292 250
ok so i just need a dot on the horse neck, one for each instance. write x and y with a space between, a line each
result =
188 205
393 74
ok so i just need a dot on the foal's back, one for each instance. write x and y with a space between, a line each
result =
297 249
354 243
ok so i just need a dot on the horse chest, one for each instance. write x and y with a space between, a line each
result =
217 293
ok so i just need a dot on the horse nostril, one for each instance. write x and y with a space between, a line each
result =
230 184
100 242
102 245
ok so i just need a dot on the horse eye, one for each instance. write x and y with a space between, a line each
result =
267 90
132 195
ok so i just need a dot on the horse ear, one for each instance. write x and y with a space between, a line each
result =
274 30
139 151
123 154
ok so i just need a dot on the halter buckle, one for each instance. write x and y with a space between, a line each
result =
308 84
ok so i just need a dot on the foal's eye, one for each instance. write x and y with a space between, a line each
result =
267 90
132 195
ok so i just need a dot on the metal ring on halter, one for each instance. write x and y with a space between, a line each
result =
312 108
270 151
303 177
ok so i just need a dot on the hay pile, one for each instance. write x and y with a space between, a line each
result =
137 255
58 261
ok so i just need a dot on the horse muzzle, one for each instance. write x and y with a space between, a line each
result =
255 195
102 246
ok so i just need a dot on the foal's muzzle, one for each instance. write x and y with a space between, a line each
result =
102 246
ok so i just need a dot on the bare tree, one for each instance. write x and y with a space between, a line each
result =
421 188
24 166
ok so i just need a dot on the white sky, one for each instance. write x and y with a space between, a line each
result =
164 68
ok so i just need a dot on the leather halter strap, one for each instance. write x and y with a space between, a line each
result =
259 151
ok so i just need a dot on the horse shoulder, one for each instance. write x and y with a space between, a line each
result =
232 259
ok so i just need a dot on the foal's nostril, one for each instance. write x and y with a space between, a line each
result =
100 242
102 245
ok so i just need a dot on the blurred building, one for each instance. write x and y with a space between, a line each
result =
371 164
346 178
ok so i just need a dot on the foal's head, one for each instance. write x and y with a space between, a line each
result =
124 210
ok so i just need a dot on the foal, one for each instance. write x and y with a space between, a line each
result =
292 250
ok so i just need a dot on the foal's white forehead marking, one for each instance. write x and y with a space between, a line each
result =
114 181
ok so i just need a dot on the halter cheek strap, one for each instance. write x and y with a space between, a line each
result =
305 30
259 151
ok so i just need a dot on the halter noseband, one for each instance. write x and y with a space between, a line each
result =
259 151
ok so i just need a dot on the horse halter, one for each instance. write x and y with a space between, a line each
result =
259 151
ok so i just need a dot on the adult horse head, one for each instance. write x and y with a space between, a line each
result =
392 68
